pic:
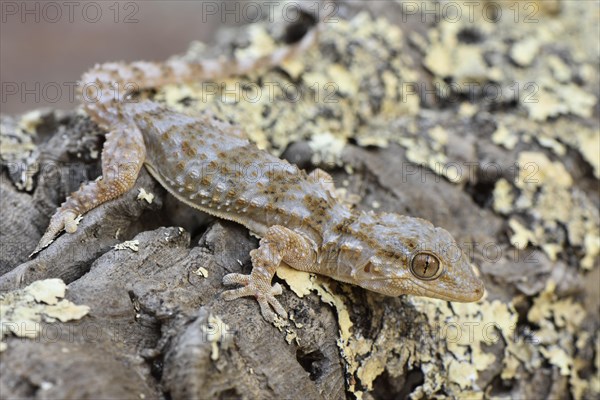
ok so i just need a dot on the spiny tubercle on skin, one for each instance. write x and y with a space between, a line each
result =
210 165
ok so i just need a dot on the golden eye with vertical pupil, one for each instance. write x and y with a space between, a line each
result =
425 266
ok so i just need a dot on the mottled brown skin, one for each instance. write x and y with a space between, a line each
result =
209 165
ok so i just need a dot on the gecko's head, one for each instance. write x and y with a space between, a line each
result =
411 256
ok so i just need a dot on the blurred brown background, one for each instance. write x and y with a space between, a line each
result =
45 46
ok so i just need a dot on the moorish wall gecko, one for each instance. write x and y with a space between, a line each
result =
205 163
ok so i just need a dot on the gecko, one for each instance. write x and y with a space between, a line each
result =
209 165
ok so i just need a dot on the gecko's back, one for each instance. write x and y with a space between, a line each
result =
210 166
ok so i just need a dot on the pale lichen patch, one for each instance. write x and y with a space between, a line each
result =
18 151
548 198
552 101
133 245
327 148
559 322
502 136
536 170
143 195
300 282
23 310
461 334
48 291
202 272
525 51
462 373
503 196
30 121
261 44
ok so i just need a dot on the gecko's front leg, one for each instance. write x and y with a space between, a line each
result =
122 157
278 244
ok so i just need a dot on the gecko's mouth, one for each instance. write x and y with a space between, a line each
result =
461 296
474 293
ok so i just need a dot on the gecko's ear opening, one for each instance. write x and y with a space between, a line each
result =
296 30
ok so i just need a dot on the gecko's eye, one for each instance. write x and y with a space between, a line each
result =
425 266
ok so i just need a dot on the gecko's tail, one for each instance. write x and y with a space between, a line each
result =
106 85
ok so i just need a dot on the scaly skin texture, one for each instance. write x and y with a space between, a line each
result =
209 165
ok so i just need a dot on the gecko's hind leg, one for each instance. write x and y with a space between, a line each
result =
279 244
122 157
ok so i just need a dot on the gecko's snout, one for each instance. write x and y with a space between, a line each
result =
476 289
477 293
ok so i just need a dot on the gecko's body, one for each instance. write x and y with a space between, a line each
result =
209 165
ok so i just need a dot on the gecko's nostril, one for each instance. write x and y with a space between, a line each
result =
478 292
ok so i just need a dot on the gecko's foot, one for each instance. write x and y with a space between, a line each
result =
62 219
259 288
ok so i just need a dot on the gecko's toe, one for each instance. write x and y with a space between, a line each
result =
236 279
276 289
233 294
268 303
265 310
66 220
264 294
273 302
